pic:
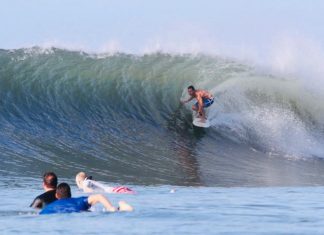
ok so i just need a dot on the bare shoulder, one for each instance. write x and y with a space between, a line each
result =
206 94
199 92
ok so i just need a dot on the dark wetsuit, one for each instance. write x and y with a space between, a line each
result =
44 199
67 205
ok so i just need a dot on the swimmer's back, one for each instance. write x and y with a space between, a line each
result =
67 205
95 186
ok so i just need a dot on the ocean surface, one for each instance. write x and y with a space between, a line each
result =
257 170
172 210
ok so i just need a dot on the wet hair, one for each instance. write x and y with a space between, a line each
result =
50 179
63 190
191 87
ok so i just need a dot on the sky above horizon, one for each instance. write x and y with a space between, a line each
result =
139 25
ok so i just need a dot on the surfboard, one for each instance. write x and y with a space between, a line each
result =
197 121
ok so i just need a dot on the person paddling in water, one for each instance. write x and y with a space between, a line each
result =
68 204
204 100
88 185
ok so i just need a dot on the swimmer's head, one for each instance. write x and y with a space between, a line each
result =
79 178
63 190
49 180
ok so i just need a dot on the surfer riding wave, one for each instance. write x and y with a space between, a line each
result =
204 100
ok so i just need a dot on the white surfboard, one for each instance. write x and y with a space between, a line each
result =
199 122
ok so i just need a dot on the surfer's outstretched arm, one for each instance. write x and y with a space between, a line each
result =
186 101
99 198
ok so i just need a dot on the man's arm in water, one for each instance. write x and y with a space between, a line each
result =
99 198
37 203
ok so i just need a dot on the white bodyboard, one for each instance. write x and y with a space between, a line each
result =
199 122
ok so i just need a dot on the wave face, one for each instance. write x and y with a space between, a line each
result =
118 117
